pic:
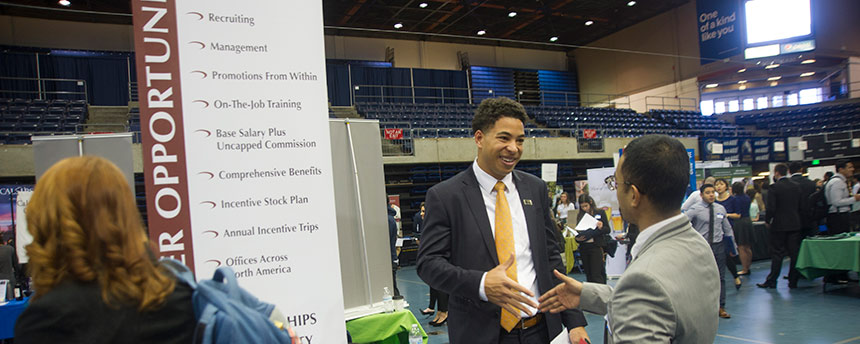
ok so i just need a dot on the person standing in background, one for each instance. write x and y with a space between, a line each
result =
711 221
855 209
564 206
742 226
418 221
592 242
807 187
840 199
9 268
724 197
696 196
784 225
755 205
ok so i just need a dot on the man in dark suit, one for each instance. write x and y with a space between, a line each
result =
807 187
783 218
488 240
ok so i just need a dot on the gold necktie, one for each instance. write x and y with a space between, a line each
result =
505 247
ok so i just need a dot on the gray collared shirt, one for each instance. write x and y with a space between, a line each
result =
700 215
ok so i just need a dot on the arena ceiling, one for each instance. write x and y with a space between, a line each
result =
573 22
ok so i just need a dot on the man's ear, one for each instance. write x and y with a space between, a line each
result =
479 136
635 196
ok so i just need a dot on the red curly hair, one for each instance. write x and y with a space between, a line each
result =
86 228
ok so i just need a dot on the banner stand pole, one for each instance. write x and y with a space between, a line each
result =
360 214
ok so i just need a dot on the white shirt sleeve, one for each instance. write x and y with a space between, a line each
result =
481 293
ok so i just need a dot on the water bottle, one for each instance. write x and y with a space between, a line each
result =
387 301
415 335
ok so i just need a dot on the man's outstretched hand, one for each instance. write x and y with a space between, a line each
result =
505 292
564 296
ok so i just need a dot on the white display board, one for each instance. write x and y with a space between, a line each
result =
22 235
237 152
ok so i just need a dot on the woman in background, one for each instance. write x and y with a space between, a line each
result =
563 207
725 198
742 227
593 241
94 277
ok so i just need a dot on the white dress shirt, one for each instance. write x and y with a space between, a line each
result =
650 231
526 275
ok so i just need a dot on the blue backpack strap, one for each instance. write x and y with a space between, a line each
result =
232 285
182 272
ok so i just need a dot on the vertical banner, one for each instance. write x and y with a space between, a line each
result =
22 235
719 25
691 153
236 148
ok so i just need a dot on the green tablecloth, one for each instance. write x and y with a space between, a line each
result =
384 328
819 257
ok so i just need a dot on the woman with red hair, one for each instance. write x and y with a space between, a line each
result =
95 278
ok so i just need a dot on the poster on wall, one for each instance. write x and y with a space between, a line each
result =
236 147
8 206
719 29
22 235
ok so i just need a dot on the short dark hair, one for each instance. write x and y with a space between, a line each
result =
705 186
722 180
660 168
795 167
491 109
841 163
738 188
781 169
828 174
751 193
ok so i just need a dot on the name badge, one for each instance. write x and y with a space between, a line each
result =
597 217
527 202
720 216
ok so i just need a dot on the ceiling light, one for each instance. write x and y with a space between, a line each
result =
807 61
512 14
631 3
742 82
423 5
398 25
742 87
553 39
742 70
771 66
803 75
482 32
65 2
774 78
588 23
711 85
773 83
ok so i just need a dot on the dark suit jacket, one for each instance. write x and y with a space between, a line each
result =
457 247
8 267
784 206
807 187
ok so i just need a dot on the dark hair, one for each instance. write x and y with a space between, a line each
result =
585 198
737 188
795 167
841 163
491 109
751 193
660 168
781 169
705 186
828 175
721 180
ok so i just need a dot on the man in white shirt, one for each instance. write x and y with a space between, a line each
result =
839 198
667 294
488 241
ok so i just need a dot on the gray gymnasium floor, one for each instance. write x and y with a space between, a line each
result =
803 315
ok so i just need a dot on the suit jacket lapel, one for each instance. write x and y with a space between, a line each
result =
475 200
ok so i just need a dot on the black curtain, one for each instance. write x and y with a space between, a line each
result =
337 80
106 77
18 65
382 77
454 83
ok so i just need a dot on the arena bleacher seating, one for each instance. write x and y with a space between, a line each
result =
22 118
806 121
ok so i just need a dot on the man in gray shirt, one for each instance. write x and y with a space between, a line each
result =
710 220
839 198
